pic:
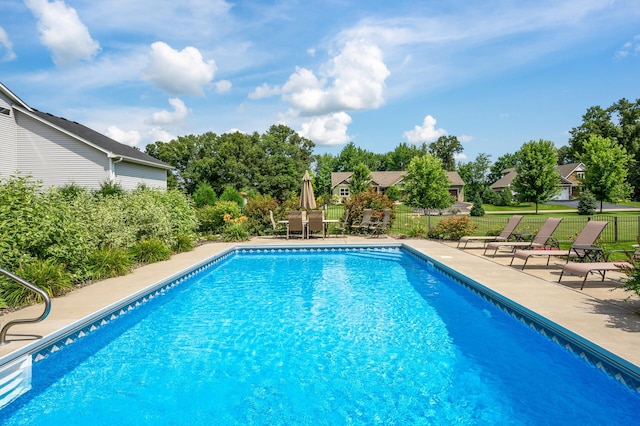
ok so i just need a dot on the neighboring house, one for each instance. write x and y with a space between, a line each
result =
381 181
59 152
570 177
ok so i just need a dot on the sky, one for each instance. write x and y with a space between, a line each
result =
493 73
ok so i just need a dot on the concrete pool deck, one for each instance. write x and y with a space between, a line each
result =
606 317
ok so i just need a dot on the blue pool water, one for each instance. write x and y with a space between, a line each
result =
345 337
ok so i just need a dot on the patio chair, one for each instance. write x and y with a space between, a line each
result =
279 229
365 223
343 225
582 269
379 228
582 247
542 239
315 223
505 235
295 224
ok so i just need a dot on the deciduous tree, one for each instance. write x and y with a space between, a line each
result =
537 177
426 185
606 169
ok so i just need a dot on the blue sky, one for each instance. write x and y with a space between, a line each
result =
495 74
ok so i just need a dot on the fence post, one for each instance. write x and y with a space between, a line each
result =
615 229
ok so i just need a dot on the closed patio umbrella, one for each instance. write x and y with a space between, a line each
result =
307 199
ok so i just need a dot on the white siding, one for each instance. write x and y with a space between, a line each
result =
8 145
129 175
56 158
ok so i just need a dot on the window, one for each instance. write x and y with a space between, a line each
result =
5 111
344 192
580 175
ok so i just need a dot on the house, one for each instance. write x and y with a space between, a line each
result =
570 177
59 152
381 181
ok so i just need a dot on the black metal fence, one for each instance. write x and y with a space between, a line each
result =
620 229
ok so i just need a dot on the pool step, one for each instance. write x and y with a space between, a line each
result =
15 379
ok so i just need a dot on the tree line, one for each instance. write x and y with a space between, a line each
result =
607 142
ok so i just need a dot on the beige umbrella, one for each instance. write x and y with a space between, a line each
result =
307 199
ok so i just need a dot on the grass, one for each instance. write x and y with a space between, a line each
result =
522 207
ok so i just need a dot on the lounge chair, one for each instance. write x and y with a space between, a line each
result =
379 228
541 239
279 229
582 247
365 223
315 223
505 235
295 224
583 269
343 225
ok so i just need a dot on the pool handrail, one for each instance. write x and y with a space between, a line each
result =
36 289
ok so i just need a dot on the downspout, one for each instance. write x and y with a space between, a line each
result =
113 168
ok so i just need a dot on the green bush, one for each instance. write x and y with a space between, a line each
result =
370 199
184 243
477 210
235 232
148 218
109 262
150 251
393 193
231 194
109 188
257 212
453 228
204 195
45 274
587 203
489 196
211 218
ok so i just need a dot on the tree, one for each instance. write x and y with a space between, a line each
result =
360 179
324 166
445 148
587 203
606 169
537 174
596 121
426 185
474 175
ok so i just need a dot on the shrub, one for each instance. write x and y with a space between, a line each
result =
370 199
453 228
477 210
506 198
149 251
490 196
184 242
587 203
231 194
211 218
257 212
109 262
393 193
45 274
417 228
147 216
204 195
109 188
632 283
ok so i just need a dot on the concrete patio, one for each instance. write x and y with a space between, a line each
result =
599 313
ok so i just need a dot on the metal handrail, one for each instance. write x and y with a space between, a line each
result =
47 308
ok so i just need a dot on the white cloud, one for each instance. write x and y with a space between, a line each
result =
425 133
159 135
9 54
630 48
329 129
179 72
131 138
223 86
264 91
353 80
179 113
465 138
62 32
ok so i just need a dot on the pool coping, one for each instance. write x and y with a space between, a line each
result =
617 367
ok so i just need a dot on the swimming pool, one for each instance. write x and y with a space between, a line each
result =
317 336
